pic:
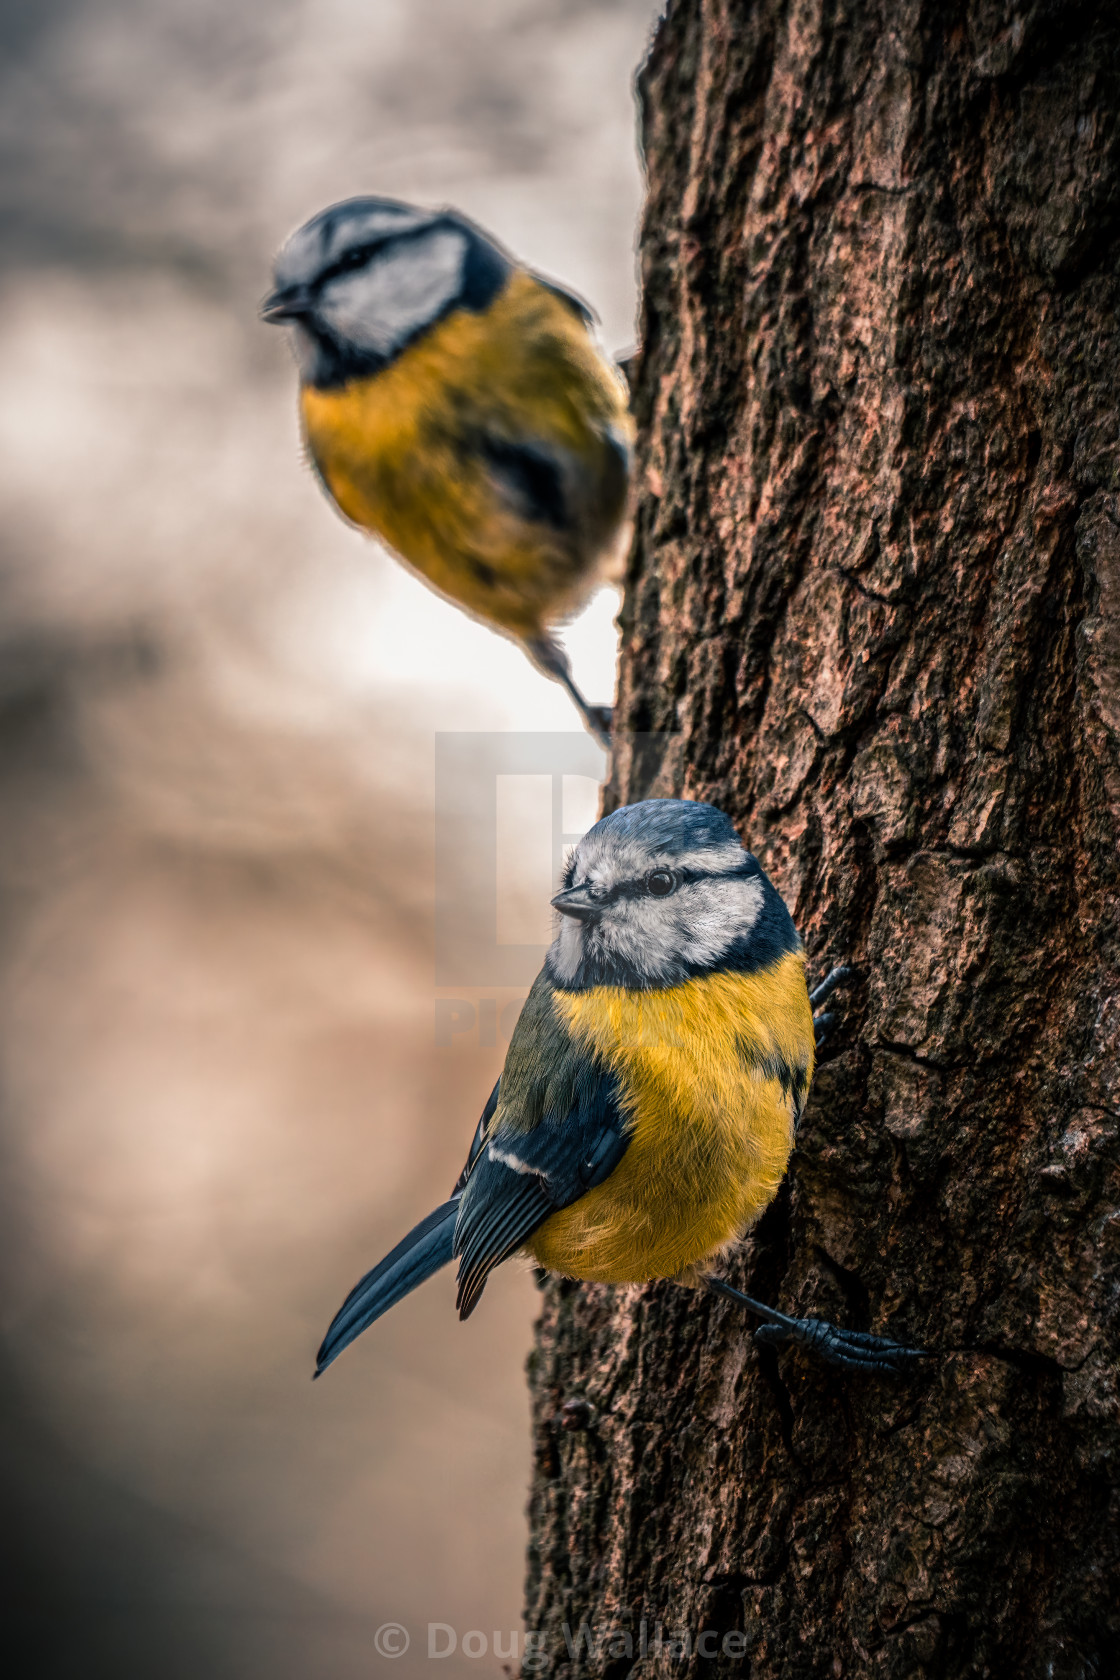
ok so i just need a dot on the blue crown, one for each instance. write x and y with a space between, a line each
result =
670 825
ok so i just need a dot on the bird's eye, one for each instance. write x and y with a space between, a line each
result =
660 883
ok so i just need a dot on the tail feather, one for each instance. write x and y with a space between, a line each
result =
426 1248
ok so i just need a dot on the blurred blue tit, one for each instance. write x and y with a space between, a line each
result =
646 1111
458 407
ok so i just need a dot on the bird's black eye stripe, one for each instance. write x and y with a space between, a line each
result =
677 877
745 871
356 257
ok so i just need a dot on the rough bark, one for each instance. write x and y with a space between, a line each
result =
875 592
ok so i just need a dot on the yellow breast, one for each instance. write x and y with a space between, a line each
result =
714 1074
394 452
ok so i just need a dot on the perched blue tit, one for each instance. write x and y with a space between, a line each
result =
646 1111
458 407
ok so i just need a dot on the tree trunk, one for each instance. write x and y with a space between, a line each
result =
874 599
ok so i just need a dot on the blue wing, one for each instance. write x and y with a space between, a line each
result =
520 1177
562 1131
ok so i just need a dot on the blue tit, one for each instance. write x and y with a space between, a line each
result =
457 406
646 1111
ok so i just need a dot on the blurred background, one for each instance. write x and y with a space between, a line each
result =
221 1091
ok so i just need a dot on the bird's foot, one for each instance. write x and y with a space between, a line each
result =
598 721
824 1021
851 1350
545 652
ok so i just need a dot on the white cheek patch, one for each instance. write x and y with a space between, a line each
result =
401 291
639 936
714 915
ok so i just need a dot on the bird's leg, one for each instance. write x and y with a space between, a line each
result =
824 1021
835 977
547 653
851 1350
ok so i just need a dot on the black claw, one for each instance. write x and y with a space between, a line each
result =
823 1026
851 1350
598 720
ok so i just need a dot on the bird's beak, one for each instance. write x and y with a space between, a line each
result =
287 304
578 903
